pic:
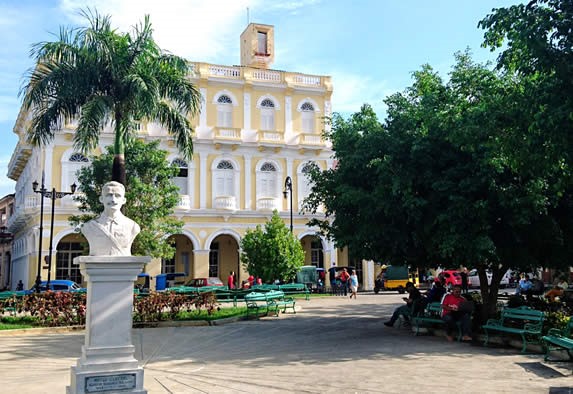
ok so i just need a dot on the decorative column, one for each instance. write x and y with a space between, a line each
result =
107 363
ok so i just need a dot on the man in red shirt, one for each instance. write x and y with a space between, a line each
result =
344 276
456 309
231 280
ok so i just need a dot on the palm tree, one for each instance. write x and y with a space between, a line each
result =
99 76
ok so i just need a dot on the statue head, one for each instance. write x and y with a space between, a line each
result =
112 197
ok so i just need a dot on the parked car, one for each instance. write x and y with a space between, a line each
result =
200 282
449 278
56 285
473 278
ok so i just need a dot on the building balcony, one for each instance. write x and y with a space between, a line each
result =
227 134
270 137
228 203
267 204
184 202
310 139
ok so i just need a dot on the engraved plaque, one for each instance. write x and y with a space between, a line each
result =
98 384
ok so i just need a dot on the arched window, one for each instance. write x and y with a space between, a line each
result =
224 111
267 180
225 179
180 180
267 114
70 168
307 117
225 184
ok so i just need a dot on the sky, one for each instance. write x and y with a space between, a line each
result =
369 47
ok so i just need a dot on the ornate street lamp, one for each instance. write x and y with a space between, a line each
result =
52 195
288 190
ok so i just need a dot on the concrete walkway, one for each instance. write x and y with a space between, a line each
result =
334 345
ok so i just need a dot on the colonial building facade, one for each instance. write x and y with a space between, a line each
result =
257 126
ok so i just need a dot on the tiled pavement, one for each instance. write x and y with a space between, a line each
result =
333 345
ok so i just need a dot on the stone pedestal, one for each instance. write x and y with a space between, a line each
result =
107 364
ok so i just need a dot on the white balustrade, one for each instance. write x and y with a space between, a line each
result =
225 202
267 203
310 139
265 75
227 72
270 136
184 202
302 79
228 133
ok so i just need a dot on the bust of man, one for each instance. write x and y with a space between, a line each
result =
112 233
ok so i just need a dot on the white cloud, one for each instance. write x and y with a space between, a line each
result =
351 91
195 29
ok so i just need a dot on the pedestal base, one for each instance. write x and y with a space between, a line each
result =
107 364
106 382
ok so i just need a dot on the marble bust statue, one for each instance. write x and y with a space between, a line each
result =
112 233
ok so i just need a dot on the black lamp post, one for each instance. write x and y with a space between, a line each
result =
288 190
52 195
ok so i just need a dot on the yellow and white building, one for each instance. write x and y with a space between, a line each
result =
256 127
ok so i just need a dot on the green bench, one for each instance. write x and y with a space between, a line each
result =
295 288
522 321
261 304
559 340
432 315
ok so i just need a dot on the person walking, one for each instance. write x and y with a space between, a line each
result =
353 284
344 278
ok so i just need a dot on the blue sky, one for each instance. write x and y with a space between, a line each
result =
369 47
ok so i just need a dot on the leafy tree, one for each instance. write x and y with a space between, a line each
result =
99 76
273 252
442 180
151 195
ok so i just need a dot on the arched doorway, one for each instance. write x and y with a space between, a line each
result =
69 247
224 258
313 251
183 260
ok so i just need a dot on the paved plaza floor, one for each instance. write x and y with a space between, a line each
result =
333 345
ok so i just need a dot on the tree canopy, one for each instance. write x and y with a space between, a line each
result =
151 195
444 181
98 76
272 252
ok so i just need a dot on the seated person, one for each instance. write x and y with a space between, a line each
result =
537 287
408 309
557 290
524 285
436 293
457 309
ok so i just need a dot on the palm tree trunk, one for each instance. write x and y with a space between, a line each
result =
118 169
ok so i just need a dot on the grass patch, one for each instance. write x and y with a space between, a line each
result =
16 322
222 313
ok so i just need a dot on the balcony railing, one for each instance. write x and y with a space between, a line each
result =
275 137
267 203
225 202
268 76
310 139
184 202
225 72
227 133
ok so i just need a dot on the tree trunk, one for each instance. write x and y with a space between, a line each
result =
118 169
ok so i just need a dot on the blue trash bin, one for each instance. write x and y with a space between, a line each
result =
161 282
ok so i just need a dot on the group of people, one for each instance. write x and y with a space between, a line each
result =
455 308
528 287
246 284
346 282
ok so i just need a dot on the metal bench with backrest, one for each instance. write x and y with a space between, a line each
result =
522 321
263 303
559 340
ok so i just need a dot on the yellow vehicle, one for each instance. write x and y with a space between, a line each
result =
395 277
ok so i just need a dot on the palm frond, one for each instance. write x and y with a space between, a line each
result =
96 114
178 126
